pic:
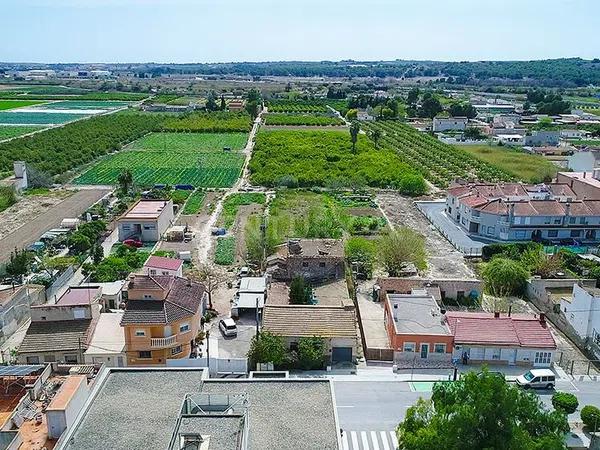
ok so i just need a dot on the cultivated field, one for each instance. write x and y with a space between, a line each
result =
7 132
302 119
215 122
37 118
12 104
84 104
197 159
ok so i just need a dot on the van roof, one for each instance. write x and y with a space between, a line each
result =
542 372
229 321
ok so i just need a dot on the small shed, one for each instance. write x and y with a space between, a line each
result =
65 406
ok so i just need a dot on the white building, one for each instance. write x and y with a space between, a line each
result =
573 134
449 123
146 220
159 265
107 345
251 294
582 311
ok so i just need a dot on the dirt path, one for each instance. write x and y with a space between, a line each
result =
29 231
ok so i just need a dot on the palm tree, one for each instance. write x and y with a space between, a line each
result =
125 180
375 136
354 129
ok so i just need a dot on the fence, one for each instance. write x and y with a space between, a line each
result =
64 278
379 354
215 366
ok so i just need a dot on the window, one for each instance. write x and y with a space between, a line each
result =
557 221
583 221
165 272
126 227
575 233
147 296
293 346
552 233
547 220
572 219
33 360
184 327
176 350
152 272
145 354
79 313
491 230
439 348
140 333
495 353
520 234
409 347
542 357
71 359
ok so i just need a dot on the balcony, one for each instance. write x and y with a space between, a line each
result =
163 342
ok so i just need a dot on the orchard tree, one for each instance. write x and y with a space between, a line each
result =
311 353
375 134
399 248
125 180
354 129
504 277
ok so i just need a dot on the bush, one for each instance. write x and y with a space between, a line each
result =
361 252
504 277
590 416
300 292
565 401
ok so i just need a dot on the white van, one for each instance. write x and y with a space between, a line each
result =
228 327
537 379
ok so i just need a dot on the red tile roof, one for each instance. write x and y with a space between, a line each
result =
485 329
160 262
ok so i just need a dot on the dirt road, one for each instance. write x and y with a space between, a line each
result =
28 233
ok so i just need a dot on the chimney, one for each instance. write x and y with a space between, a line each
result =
542 318
496 315
509 310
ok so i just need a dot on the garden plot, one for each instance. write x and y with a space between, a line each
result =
172 158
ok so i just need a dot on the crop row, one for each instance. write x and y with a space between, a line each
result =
438 162
215 122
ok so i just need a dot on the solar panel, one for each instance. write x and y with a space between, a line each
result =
19 370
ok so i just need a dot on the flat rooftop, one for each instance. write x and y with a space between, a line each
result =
416 313
145 209
109 336
134 409
79 296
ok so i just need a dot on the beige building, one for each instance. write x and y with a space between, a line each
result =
146 220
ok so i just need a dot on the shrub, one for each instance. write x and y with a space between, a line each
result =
505 277
300 292
565 401
590 416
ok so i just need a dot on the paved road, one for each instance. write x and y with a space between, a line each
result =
72 206
369 411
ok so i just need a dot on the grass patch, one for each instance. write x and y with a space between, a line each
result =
194 203
190 142
527 167
7 197
7 132
232 204
225 251
12 104
37 191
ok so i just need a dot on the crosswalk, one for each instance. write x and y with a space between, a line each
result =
369 440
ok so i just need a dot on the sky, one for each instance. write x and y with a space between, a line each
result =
178 31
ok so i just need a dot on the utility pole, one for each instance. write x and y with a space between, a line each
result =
80 352
257 316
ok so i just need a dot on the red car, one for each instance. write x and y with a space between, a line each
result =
133 243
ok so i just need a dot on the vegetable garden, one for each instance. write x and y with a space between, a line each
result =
302 119
438 162
216 122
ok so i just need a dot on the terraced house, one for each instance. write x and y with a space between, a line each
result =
161 318
519 212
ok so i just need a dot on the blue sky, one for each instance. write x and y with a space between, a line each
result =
268 30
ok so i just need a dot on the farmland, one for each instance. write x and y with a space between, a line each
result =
225 251
12 104
58 150
325 158
193 205
438 162
305 106
302 119
232 204
84 104
216 122
103 96
525 166
37 118
200 161
7 132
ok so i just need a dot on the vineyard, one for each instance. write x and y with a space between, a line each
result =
215 122
438 162
324 158
37 118
160 159
58 150
302 119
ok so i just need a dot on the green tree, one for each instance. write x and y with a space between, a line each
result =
125 180
253 101
354 129
97 253
413 96
399 248
565 401
19 264
267 347
430 106
352 114
211 102
311 353
504 277
362 253
481 411
79 243
300 292
375 134
223 106
473 133
590 416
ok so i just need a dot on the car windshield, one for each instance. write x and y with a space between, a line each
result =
528 376
231 327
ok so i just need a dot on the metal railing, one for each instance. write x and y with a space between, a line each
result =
163 342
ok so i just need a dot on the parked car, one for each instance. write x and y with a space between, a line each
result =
537 379
244 272
133 243
228 327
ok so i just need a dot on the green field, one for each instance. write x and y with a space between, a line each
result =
232 204
194 203
84 104
225 251
12 104
171 158
37 118
211 122
525 166
7 132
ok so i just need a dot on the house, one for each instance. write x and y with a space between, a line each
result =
584 160
236 105
312 259
158 265
585 184
15 303
112 293
335 324
573 134
174 409
552 150
107 345
449 123
495 338
66 405
440 289
542 138
61 332
146 220
415 327
251 294
162 318
364 114
582 311
519 212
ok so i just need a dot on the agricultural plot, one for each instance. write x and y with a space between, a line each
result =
326 158
150 162
37 118
13 104
438 162
193 205
232 204
84 104
306 106
7 132
302 119
214 122
225 251
195 142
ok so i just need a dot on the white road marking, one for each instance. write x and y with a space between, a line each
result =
346 406
374 440
384 439
365 440
345 441
354 438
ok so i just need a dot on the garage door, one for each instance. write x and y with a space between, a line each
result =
341 354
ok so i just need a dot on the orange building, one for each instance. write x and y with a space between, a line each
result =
161 318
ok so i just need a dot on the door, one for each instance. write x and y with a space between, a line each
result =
424 350
341 354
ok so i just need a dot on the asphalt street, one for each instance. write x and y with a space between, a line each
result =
369 411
